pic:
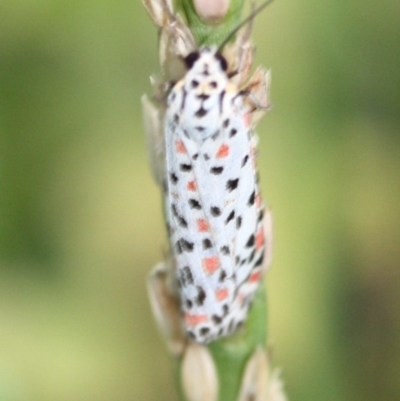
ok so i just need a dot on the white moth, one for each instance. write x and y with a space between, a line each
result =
212 199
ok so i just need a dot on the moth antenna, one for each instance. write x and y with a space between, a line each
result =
248 19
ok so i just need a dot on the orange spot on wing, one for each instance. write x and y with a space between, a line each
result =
223 151
180 147
194 320
260 239
211 264
202 225
258 200
255 276
191 186
221 294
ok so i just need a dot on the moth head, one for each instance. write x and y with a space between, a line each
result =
206 71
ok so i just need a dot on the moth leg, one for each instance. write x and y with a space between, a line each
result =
240 56
166 307
258 94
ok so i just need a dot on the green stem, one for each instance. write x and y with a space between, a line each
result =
207 33
230 354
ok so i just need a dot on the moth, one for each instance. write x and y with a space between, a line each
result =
213 208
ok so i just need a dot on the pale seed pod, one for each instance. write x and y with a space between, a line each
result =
159 10
211 10
176 42
153 117
275 390
259 383
165 307
199 375
255 379
267 225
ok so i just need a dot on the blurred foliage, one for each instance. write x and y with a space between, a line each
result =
80 217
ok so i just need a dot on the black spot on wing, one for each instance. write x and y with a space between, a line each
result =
178 247
184 93
201 296
188 274
186 245
238 222
215 135
204 331
215 211
182 221
225 124
245 159
207 244
251 257
252 199
232 184
259 261
225 250
251 241
217 170
174 178
222 276
230 217
233 132
216 319
221 101
185 167
194 204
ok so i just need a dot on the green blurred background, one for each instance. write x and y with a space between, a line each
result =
80 217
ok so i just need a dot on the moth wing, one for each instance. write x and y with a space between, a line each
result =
205 275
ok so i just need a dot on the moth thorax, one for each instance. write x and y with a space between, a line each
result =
205 87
